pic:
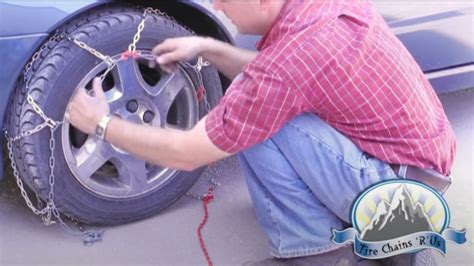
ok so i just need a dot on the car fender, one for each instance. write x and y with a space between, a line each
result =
27 25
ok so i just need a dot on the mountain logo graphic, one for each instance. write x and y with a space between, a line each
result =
398 216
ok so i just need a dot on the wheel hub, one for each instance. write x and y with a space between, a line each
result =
139 111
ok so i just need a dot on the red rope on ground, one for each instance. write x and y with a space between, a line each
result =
205 201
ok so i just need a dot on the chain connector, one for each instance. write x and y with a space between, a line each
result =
51 123
127 54
200 93
199 64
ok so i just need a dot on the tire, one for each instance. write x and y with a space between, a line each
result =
61 68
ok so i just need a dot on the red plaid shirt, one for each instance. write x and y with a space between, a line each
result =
339 60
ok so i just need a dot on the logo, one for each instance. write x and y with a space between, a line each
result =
398 216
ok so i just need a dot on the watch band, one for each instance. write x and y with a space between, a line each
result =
102 126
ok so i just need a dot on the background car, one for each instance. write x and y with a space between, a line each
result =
96 182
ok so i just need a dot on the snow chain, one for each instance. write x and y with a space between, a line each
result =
50 213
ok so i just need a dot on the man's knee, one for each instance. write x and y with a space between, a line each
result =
261 150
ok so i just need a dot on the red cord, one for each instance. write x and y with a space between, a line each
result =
205 201
200 93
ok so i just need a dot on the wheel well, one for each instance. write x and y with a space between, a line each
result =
195 19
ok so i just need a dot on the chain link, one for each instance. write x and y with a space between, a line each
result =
18 179
214 185
47 123
107 59
50 211
150 10
133 46
56 37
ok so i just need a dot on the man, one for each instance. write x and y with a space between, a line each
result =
331 104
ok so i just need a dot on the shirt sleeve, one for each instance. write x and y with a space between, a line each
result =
256 105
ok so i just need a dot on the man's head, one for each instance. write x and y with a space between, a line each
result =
251 16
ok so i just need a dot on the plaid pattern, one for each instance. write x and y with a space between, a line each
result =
340 61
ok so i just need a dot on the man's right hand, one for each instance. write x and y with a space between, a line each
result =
173 50
228 60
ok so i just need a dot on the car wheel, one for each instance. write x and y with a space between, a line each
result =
96 182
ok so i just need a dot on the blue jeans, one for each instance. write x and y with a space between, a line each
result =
303 181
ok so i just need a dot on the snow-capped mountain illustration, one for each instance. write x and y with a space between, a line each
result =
399 218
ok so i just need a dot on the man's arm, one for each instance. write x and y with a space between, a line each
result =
184 150
228 59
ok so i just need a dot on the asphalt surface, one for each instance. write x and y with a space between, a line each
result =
232 234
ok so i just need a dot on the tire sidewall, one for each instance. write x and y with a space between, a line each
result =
70 195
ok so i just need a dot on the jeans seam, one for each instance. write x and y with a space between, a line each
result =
327 147
267 204
264 143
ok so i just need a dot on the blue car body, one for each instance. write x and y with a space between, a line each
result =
441 43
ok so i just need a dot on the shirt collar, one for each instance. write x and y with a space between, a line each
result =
276 27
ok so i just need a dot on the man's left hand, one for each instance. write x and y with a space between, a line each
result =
85 111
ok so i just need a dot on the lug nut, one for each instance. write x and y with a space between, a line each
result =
132 106
148 116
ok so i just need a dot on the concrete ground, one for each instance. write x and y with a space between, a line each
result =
232 233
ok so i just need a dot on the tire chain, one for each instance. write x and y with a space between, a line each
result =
50 211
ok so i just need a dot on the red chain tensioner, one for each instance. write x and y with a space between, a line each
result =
127 54
200 93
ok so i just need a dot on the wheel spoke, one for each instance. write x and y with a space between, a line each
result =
113 97
166 91
91 156
132 172
130 80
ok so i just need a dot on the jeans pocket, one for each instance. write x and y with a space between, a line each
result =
366 161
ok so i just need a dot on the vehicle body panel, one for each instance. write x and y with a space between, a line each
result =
440 39
26 25
440 42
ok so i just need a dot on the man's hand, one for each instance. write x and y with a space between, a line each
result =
84 111
173 50
228 60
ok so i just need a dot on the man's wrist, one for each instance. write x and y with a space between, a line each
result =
206 47
101 127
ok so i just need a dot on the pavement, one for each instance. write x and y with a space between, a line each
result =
232 234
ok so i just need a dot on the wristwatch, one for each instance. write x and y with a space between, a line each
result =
102 126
